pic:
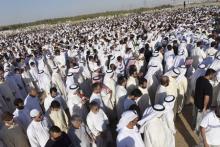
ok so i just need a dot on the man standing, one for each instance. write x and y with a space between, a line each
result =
32 101
58 138
203 96
128 134
11 133
79 133
37 131
210 130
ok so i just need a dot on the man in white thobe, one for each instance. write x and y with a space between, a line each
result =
168 120
132 81
198 55
162 90
97 122
38 130
76 102
153 127
128 134
210 129
58 116
58 82
44 82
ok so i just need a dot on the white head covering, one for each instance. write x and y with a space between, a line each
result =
182 70
55 68
76 69
126 117
151 113
40 72
169 102
34 113
96 79
173 73
73 88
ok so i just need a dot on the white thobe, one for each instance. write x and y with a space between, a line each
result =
48 100
97 123
43 66
129 138
60 119
26 76
169 126
76 106
132 83
179 60
198 55
211 123
160 95
34 73
38 133
97 98
154 134
57 80
69 81
44 82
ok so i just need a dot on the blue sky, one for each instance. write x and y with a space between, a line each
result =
19 11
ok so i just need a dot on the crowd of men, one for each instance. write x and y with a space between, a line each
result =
112 82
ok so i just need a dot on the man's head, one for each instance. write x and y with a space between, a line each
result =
210 74
164 80
76 121
135 94
94 107
133 71
122 81
55 133
33 92
19 104
55 106
96 87
32 64
7 118
143 82
132 123
53 92
36 115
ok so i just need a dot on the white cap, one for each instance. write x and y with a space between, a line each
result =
109 71
202 66
73 88
34 113
183 66
40 72
159 107
169 98
176 71
69 74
